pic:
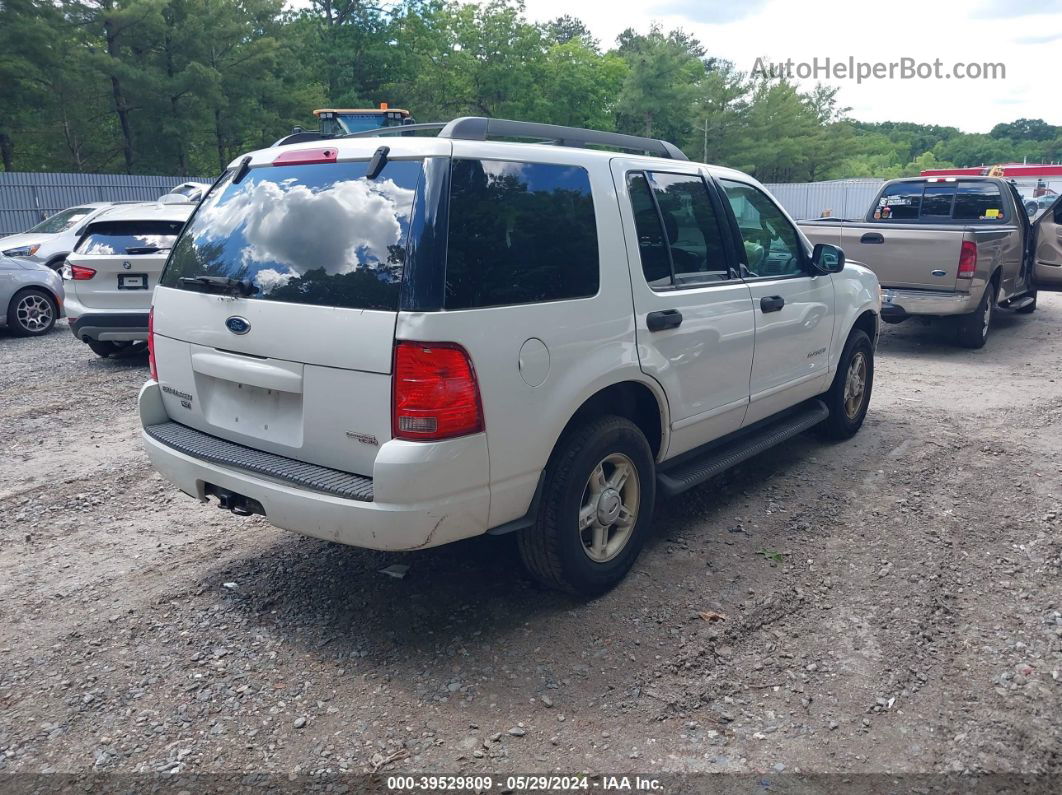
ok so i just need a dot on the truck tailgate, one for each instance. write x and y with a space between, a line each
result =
901 255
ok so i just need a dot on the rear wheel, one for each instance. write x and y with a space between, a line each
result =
974 328
849 395
31 313
103 348
597 507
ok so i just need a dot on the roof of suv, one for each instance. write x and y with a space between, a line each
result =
403 145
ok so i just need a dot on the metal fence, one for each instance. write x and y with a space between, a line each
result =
28 198
844 198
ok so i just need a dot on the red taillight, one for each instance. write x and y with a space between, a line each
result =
967 260
151 346
80 273
435 392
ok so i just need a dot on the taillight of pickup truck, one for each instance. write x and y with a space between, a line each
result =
967 260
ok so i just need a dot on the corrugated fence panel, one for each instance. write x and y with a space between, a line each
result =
843 198
27 198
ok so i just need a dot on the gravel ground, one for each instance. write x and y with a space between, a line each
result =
889 604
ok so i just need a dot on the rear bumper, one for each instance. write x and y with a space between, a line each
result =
110 326
898 304
424 495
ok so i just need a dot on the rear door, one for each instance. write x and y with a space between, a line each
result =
127 257
694 318
1047 249
274 322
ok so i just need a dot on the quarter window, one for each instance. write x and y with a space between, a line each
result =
771 243
679 236
519 233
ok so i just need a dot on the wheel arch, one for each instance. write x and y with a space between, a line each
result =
633 400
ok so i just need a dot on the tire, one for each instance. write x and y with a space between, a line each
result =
590 561
849 396
1031 208
974 328
1028 310
102 349
31 313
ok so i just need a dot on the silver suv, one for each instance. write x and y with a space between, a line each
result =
398 342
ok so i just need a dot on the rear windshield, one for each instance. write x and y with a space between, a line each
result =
129 237
60 222
308 234
934 202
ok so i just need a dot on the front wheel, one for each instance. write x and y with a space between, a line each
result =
849 396
31 313
597 508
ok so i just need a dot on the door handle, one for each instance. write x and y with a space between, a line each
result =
872 237
771 303
667 318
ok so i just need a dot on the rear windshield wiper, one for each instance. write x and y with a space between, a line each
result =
144 250
219 284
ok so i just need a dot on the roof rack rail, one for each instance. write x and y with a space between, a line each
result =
480 128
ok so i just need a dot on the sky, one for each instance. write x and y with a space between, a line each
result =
1025 36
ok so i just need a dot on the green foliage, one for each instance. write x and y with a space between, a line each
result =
183 86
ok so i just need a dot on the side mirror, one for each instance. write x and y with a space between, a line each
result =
826 258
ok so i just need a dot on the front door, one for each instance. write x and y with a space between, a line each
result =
694 315
1047 249
794 310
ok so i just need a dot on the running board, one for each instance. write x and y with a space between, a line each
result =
694 471
1020 303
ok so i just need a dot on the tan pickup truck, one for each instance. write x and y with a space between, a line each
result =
952 246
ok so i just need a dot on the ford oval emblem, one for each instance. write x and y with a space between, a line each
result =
237 325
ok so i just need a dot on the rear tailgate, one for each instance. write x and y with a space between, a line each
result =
127 257
275 320
910 255
304 382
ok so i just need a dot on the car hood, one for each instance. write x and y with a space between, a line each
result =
24 239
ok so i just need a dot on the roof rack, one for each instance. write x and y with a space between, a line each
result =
480 128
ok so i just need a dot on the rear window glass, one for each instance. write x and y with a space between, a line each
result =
900 202
307 234
936 201
519 233
60 222
978 201
129 237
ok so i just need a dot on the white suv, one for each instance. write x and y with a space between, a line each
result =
113 269
398 342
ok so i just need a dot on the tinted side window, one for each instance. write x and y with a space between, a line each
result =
519 233
899 202
651 246
978 201
772 245
129 237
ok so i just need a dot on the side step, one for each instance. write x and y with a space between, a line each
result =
690 472
1020 303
